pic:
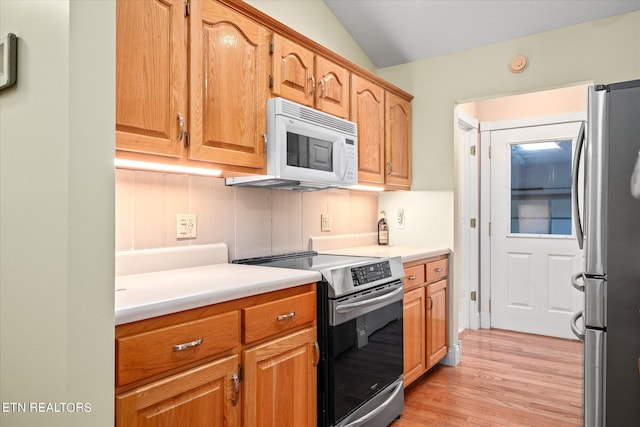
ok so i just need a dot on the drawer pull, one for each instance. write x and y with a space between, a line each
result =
412 277
439 270
180 347
287 316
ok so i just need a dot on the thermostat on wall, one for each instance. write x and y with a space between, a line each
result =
8 60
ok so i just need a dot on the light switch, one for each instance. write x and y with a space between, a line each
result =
325 219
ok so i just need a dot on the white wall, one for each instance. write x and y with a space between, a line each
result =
56 213
428 217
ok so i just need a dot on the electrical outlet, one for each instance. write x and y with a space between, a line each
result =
325 224
185 226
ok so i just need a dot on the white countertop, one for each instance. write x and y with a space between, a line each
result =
407 253
146 295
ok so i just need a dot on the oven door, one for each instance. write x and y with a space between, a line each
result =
365 352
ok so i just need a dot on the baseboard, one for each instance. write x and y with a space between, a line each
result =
454 355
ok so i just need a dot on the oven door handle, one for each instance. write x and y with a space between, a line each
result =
379 409
345 308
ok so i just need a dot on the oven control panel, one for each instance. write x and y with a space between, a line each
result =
364 274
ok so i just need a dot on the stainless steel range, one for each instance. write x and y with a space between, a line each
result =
360 336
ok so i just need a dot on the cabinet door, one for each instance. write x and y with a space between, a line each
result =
151 76
414 324
292 71
398 140
279 385
203 396
332 88
436 322
228 92
367 110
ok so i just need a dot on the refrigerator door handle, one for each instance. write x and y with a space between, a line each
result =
574 281
577 221
574 328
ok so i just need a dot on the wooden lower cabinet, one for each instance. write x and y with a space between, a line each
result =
279 384
203 396
414 334
424 316
246 362
436 322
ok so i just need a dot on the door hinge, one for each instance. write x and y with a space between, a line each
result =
489 151
186 140
489 306
489 229
270 82
240 372
473 150
473 295
271 48
472 223
187 9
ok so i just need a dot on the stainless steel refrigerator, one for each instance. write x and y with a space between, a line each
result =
607 222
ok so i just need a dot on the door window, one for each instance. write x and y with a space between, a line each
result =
541 187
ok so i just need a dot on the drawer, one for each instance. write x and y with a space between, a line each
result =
414 276
263 320
437 270
150 353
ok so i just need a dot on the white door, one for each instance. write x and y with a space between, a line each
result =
533 245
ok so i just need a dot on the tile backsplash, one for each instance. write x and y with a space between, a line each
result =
251 221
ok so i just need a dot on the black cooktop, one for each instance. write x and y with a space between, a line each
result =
310 260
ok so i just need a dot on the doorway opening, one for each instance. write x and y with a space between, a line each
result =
473 199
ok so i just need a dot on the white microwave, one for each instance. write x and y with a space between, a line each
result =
306 150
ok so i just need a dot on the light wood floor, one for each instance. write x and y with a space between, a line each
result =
505 379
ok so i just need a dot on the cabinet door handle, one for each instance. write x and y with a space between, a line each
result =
180 347
313 85
180 127
390 168
412 277
430 303
286 316
439 270
236 389
316 347
321 88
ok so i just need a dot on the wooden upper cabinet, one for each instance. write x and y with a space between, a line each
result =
298 74
332 90
228 92
292 71
398 140
151 76
367 110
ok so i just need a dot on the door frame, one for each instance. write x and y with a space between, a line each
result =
468 134
485 195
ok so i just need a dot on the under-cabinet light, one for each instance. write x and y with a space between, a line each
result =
366 188
159 167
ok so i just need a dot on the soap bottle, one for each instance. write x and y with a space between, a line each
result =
383 229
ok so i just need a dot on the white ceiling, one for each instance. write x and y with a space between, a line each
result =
394 32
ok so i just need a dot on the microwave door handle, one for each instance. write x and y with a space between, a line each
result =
344 162
577 221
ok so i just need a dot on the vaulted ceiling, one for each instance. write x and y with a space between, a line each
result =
393 32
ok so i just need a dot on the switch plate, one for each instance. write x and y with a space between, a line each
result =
185 226
325 222
400 218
